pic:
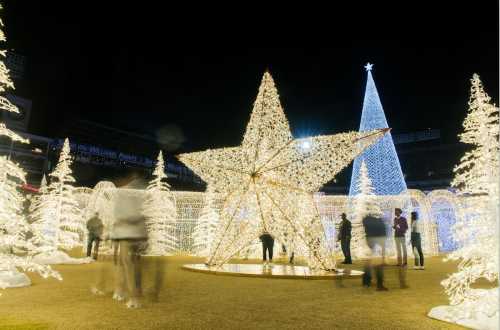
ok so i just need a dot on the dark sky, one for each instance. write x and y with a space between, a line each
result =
144 67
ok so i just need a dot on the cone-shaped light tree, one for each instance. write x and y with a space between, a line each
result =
57 217
13 225
477 175
205 230
380 158
364 204
160 212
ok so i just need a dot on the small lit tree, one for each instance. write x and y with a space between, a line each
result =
160 212
206 227
57 218
364 204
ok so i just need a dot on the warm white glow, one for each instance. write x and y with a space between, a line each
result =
160 212
475 230
13 226
58 220
268 182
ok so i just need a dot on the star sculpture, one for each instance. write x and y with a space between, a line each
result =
267 183
368 66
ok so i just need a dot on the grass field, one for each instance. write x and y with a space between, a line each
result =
201 301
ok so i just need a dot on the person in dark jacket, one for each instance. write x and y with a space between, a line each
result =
416 242
345 239
375 233
267 245
95 228
400 227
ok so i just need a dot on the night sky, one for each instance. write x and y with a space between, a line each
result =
154 69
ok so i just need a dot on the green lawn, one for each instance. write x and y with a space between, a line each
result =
192 300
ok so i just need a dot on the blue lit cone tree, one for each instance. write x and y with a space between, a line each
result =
380 158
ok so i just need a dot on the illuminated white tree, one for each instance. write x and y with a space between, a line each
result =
13 226
57 217
364 204
477 176
204 232
160 212
35 200
268 182
473 173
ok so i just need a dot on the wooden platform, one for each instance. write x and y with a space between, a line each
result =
277 271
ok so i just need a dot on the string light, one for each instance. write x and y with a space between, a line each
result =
57 218
380 158
267 183
160 212
13 226
477 175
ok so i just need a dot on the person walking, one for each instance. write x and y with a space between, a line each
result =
400 227
416 242
375 233
267 245
95 228
130 237
345 239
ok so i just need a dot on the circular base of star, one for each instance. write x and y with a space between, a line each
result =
275 271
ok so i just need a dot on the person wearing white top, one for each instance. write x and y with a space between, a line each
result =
416 242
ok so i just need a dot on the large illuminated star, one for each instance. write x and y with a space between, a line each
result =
267 183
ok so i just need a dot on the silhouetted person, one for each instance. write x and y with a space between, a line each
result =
400 227
345 239
267 245
416 241
95 228
375 235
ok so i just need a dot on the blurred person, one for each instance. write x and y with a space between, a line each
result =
400 227
95 229
375 236
345 238
416 242
129 236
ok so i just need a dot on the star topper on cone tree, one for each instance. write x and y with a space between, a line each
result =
268 182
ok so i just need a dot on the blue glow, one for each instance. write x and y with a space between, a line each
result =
381 158
444 214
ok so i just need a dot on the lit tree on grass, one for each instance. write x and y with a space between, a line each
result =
58 221
13 226
160 212
205 230
364 204
475 231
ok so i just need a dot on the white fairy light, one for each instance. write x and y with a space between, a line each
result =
13 226
160 212
272 180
